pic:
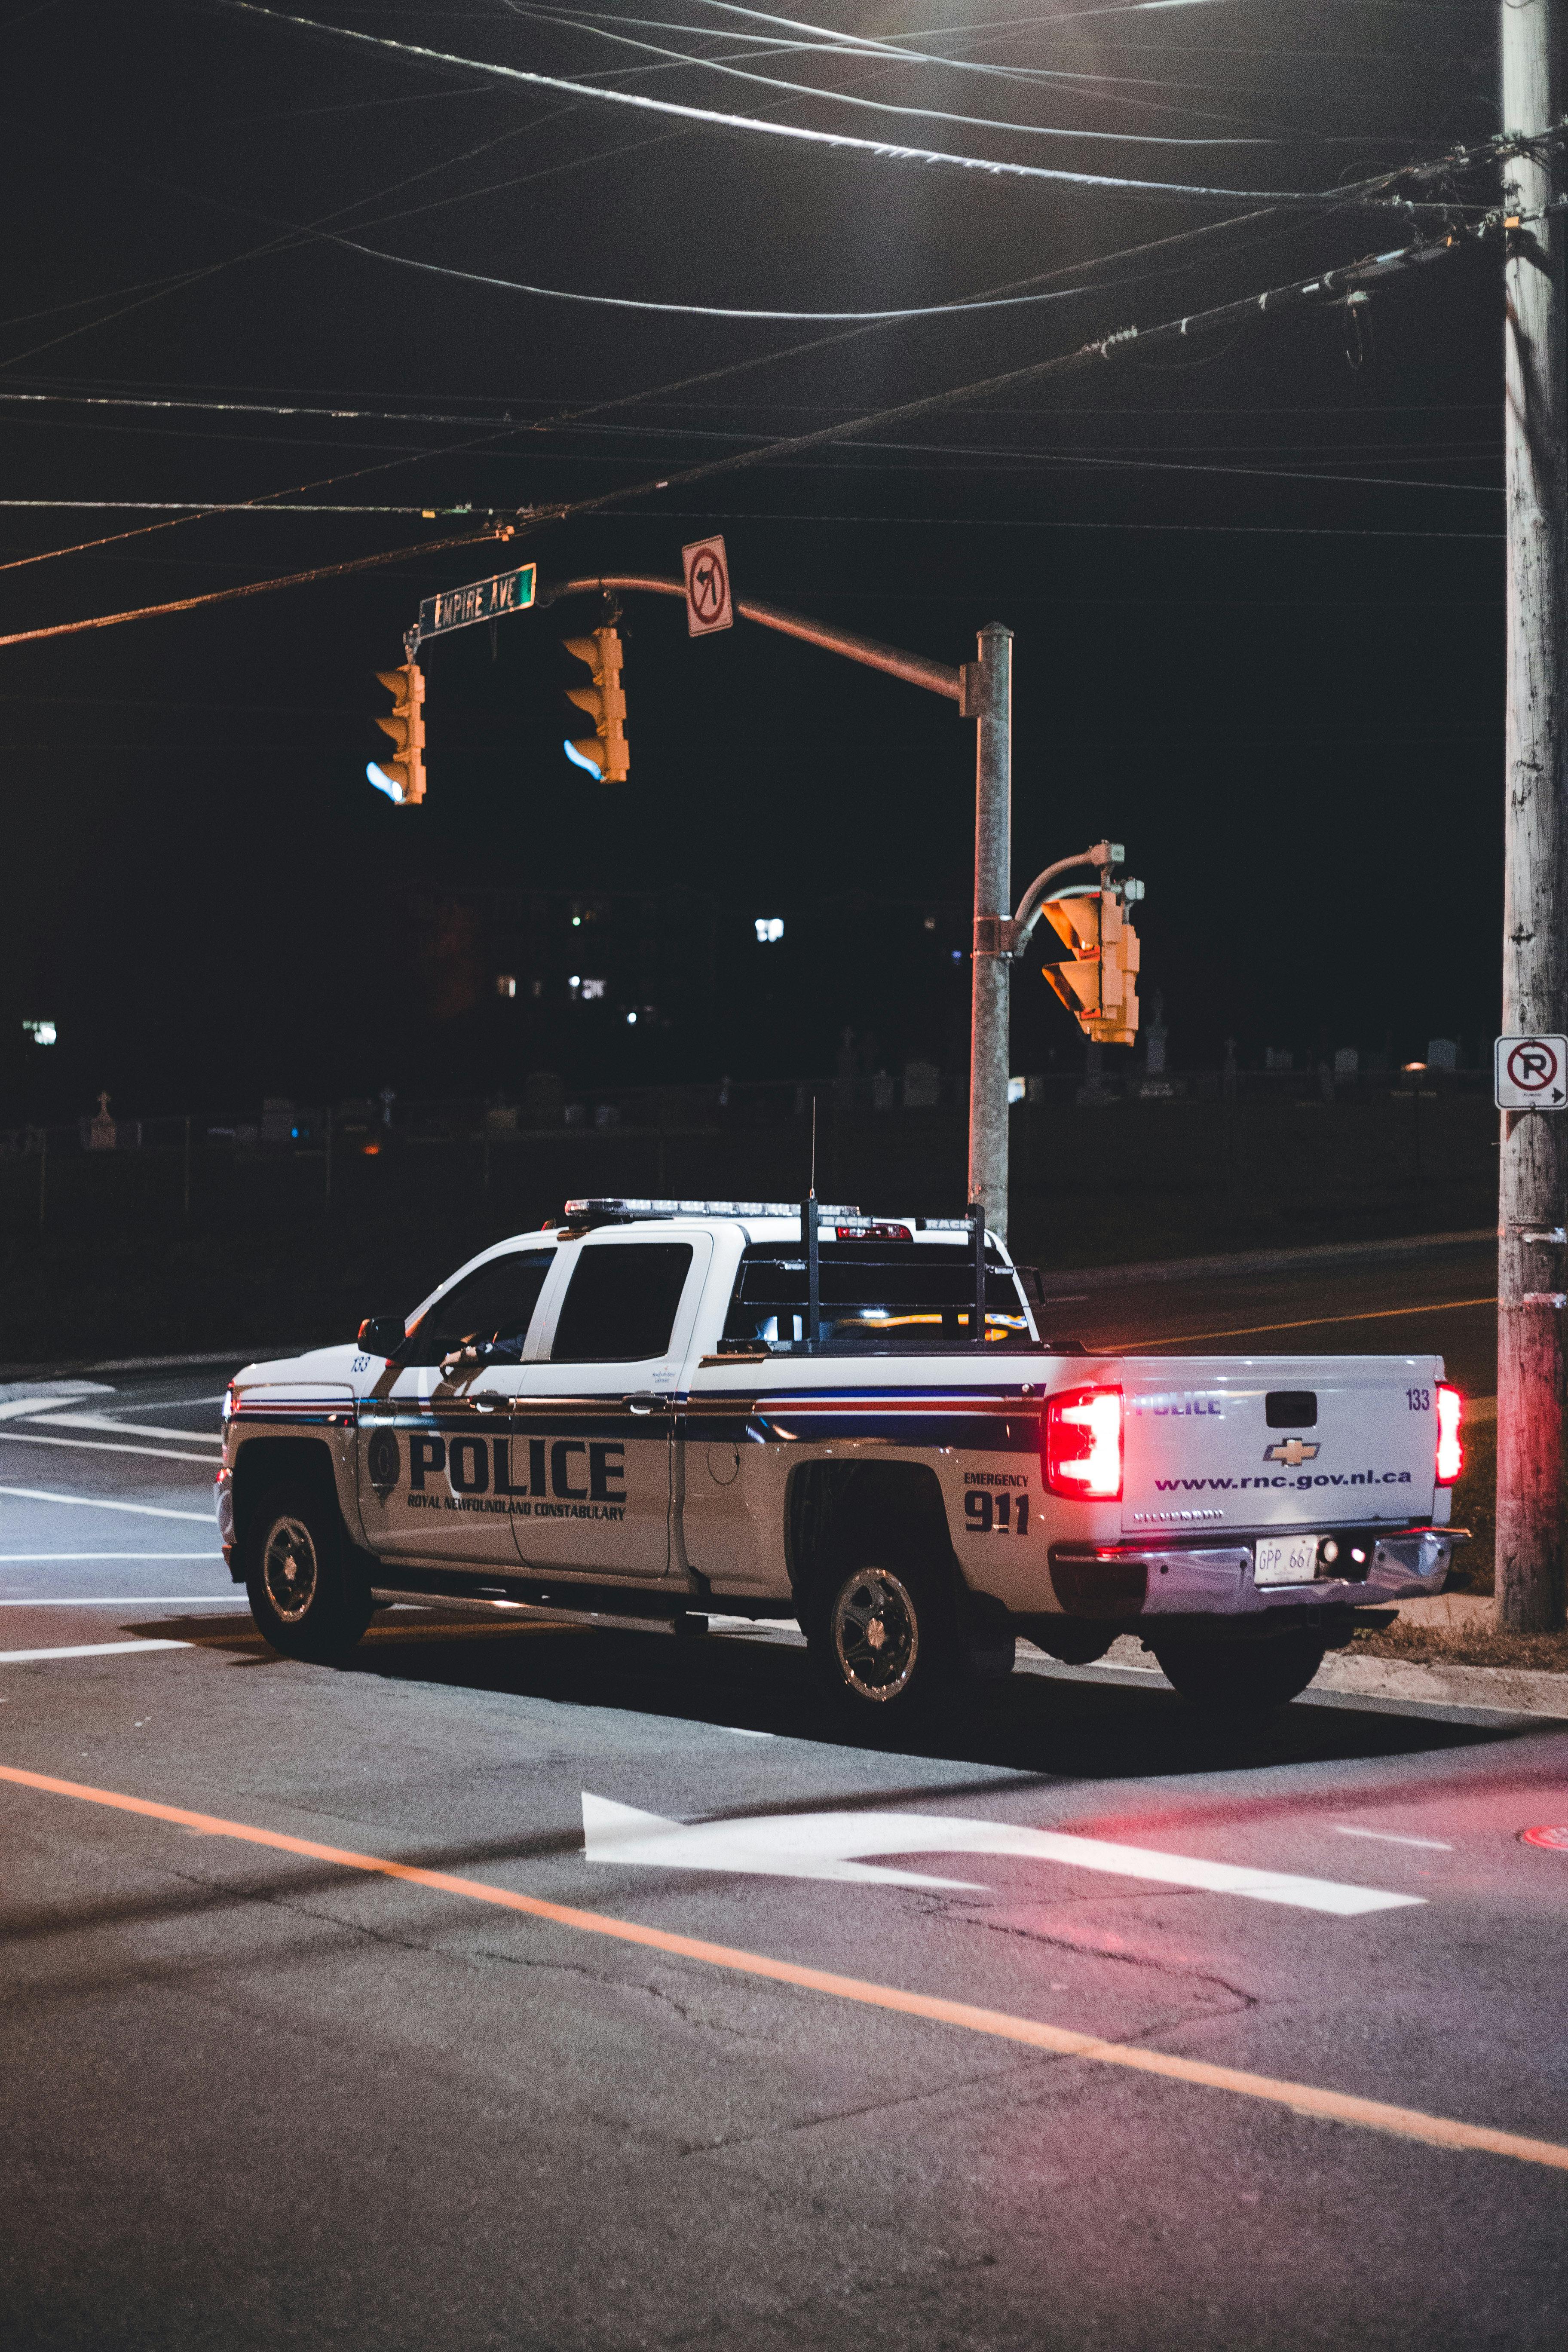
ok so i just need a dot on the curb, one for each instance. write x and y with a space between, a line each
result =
1069 1281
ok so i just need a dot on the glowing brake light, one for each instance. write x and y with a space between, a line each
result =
872 1233
1083 1447
1450 1452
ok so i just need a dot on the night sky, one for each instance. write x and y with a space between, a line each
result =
1257 594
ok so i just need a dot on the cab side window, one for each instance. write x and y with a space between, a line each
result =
620 1304
496 1303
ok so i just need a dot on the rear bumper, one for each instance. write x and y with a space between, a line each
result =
1129 1582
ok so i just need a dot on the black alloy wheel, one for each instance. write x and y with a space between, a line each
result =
307 1595
886 1641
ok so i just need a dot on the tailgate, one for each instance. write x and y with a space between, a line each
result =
1292 1440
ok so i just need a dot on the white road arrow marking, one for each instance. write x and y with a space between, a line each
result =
823 1845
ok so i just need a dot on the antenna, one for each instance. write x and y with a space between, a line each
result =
808 1234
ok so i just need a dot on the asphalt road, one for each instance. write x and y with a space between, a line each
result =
583 2081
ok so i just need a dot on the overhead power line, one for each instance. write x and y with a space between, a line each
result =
703 310
882 149
1328 287
260 587
884 105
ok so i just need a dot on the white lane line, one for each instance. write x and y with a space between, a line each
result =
34 1402
130 1428
1391 1837
827 1845
101 1446
235 1599
98 1503
37 1559
86 1650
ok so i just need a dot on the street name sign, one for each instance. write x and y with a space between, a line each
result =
1532 1072
481 600
707 570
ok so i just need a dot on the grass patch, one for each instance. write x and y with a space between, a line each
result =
1479 1645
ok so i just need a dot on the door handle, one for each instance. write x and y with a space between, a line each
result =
645 1402
484 1405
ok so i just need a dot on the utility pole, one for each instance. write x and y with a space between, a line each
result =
1533 1157
988 700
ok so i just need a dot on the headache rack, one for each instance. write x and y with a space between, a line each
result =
869 1287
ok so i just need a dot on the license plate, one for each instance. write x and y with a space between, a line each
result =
1286 1559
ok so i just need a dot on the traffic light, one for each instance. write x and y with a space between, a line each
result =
402 778
1099 986
604 753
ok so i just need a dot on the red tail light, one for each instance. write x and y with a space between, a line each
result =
1450 1452
1081 1448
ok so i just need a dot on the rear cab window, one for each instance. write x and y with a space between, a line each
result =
876 1297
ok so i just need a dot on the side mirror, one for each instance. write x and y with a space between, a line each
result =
382 1335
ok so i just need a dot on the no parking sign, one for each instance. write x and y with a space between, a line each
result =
1532 1072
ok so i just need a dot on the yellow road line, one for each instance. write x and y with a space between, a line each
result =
1308 1323
1302 2098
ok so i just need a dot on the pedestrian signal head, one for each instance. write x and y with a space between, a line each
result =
604 753
1100 985
402 777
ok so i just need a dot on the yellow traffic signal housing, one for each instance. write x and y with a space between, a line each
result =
1099 986
605 753
402 777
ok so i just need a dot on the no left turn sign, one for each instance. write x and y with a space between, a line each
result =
1532 1072
708 605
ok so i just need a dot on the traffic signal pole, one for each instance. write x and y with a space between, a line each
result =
982 690
1533 1157
988 700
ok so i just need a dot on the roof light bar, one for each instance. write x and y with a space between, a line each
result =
635 1208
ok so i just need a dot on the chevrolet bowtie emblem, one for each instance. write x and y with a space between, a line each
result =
1292 1453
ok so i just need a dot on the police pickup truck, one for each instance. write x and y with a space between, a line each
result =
653 1412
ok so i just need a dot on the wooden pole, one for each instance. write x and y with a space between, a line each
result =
1533 1157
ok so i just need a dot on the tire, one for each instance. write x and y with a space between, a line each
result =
887 1643
308 1598
1239 1679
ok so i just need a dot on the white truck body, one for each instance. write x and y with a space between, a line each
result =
701 1476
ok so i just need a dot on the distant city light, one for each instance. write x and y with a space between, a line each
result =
42 1033
506 983
576 922
1015 1090
579 759
591 988
958 955
631 1020
768 928
383 783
